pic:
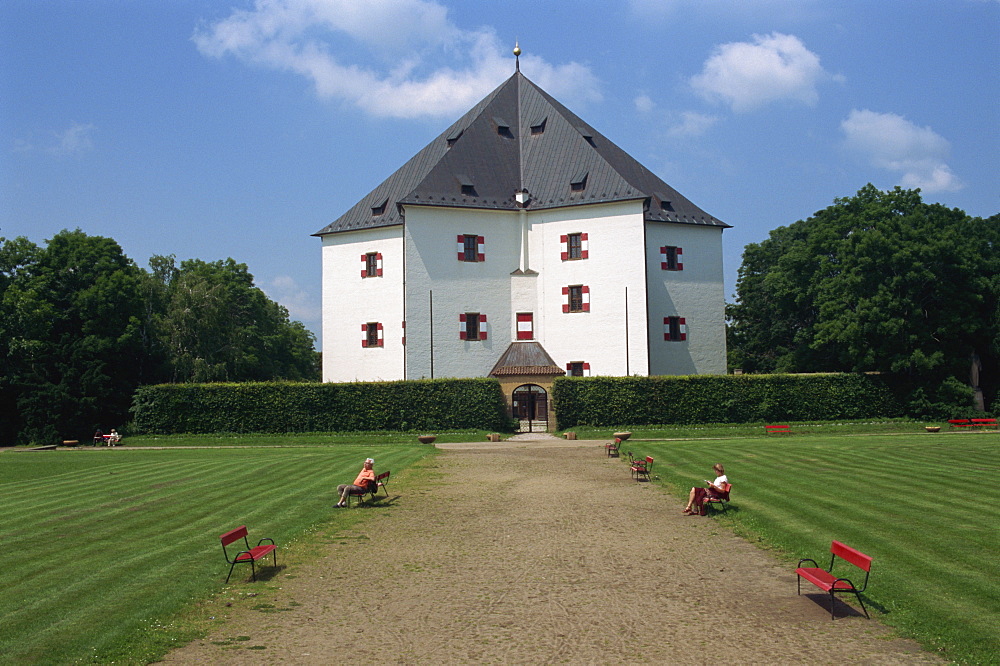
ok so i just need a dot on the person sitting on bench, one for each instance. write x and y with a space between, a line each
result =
713 488
360 485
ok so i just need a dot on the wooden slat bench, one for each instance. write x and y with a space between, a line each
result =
372 489
825 580
722 500
973 423
778 429
250 555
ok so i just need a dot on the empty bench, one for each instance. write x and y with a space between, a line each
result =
769 429
827 581
250 555
371 490
973 423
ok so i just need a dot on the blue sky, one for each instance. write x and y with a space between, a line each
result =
236 129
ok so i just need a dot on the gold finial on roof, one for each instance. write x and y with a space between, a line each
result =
517 56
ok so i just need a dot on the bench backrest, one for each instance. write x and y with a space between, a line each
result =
383 475
855 557
234 535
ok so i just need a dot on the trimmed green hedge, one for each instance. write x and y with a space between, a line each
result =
721 399
277 407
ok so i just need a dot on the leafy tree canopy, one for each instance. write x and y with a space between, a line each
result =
81 326
876 282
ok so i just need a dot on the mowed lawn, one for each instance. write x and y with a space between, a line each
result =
925 506
101 547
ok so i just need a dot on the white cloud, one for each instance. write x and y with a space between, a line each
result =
301 36
692 124
894 143
644 104
77 139
300 304
747 75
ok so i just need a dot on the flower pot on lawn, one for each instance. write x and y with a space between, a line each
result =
932 428
427 439
570 435
623 435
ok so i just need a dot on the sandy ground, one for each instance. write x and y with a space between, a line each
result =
542 551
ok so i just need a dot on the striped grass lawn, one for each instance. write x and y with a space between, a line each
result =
925 506
101 548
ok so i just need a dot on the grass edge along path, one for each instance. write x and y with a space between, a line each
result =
113 548
933 533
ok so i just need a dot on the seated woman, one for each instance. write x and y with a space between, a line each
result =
713 489
360 485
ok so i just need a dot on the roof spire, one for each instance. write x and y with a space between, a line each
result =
517 56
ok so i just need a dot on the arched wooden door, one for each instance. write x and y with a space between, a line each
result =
530 404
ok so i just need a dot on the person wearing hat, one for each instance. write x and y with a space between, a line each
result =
366 479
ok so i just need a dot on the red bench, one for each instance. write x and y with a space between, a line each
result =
972 423
778 429
825 580
250 555
371 489
721 499
613 447
641 468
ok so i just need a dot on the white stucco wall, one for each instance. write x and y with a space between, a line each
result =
695 293
434 276
420 267
601 337
350 301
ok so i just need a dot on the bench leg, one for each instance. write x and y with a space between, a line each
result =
230 571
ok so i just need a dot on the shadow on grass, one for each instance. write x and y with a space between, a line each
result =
265 573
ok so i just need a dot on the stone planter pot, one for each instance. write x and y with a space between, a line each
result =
70 442
623 435
493 437
427 439
932 428
569 435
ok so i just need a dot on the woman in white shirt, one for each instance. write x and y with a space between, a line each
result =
713 489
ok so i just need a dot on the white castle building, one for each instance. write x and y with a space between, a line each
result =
521 242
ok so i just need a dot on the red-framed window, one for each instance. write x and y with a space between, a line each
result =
578 369
671 258
574 246
525 326
471 247
472 326
675 329
371 264
372 335
577 298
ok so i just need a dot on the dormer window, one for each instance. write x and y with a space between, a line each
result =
454 136
503 128
665 205
579 181
538 125
380 208
467 186
587 136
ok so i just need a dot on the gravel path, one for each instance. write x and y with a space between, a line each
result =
542 551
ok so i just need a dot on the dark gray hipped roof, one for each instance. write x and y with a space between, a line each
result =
525 358
519 138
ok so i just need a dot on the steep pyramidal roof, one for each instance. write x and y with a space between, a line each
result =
519 138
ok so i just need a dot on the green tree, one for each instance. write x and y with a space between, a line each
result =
877 282
217 326
74 336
